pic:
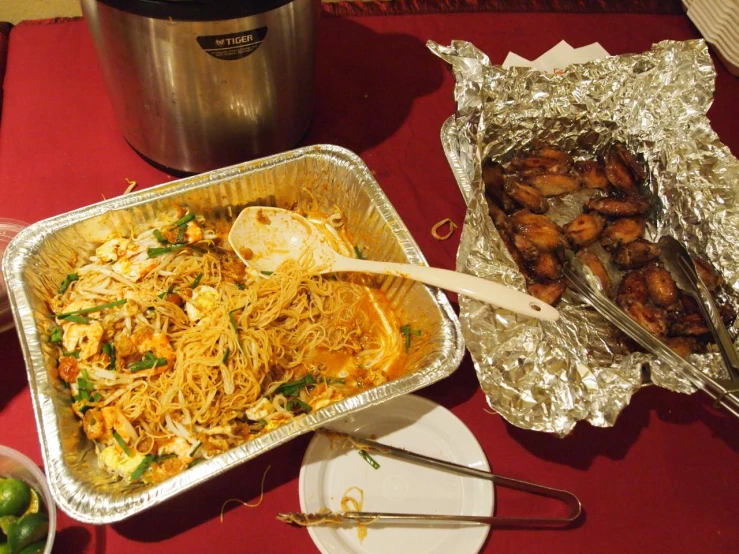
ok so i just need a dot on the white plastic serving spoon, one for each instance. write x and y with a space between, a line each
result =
264 237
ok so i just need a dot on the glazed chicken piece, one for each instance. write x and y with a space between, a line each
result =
635 254
528 250
708 275
526 195
545 267
547 292
662 288
651 318
618 207
622 231
554 184
633 286
507 238
691 324
619 174
592 174
492 176
636 168
542 158
584 230
539 229
683 346
593 263
498 216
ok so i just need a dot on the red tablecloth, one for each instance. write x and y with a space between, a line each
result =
664 479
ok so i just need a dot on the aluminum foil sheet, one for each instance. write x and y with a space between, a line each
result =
548 376
41 255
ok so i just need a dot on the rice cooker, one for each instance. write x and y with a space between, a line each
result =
202 84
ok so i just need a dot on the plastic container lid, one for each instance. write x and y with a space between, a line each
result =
196 10
9 228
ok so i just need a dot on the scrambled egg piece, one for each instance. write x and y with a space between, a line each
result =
117 461
204 299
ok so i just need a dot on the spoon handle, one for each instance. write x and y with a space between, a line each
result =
484 290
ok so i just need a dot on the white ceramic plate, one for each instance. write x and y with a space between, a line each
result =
416 424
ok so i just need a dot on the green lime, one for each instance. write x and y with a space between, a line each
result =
15 497
27 530
6 522
35 548
34 505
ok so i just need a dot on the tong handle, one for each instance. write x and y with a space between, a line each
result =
567 498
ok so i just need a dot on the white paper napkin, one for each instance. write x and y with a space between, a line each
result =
557 58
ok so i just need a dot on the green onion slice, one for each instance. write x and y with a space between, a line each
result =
369 459
150 361
122 443
142 467
97 308
154 252
160 237
68 281
196 282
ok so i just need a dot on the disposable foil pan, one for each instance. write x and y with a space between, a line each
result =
318 176
547 376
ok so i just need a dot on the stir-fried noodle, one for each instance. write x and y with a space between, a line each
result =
173 351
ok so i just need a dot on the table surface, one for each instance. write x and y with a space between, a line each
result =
663 479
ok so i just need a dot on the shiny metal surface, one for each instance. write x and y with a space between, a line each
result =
371 446
197 95
315 178
722 391
680 265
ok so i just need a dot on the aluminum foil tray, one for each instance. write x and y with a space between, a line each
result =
43 254
549 376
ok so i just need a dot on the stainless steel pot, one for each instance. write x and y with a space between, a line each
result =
202 84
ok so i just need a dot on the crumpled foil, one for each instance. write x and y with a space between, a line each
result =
548 376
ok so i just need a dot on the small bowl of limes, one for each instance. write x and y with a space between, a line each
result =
27 511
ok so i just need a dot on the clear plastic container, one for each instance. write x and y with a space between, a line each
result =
15 464
9 228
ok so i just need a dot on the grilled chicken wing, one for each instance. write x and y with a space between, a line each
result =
633 286
622 231
651 318
498 216
592 174
547 292
708 275
599 270
526 195
618 207
636 168
529 251
539 229
554 184
635 254
584 230
542 158
662 288
619 174
683 346
545 267
690 324
492 176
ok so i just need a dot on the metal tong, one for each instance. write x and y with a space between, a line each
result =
339 518
580 278
680 265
